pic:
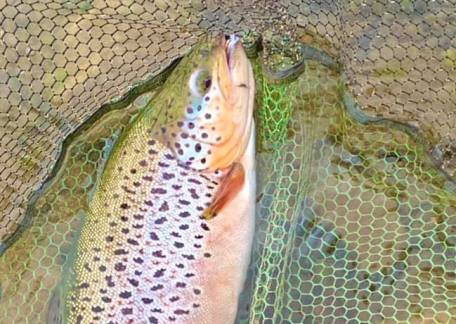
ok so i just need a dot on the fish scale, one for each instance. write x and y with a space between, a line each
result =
147 268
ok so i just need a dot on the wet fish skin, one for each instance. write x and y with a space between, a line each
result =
145 254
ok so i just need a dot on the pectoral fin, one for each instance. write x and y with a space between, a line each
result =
231 184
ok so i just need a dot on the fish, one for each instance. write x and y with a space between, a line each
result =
169 229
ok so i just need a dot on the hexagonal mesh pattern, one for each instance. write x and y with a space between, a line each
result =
355 221
31 268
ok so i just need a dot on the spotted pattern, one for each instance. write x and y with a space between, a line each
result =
142 261
204 126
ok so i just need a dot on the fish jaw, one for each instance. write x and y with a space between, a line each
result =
230 241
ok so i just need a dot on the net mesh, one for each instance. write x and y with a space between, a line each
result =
355 221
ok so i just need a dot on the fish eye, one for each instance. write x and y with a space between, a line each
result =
200 82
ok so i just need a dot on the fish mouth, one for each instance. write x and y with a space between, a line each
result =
230 44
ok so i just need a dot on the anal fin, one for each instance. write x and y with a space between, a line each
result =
230 186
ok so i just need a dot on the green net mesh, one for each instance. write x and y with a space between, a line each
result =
32 265
355 223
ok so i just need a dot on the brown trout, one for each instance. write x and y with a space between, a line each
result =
169 229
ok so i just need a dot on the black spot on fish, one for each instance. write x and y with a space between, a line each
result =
176 187
181 285
184 214
138 216
181 312
174 298
125 294
183 202
178 245
169 156
153 236
119 266
171 318
102 268
198 246
180 265
188 256
168 176
124 206
125 230
109 281
158 191
207 255
152 152
183 227
124 218
199 236
132 241
159 273
138 260
97 309
148 178
106 299
163 164
151 142
133 171
87 267
143 163
164 207
127 190
127 311
156 287
148 203
153 320
136 183
133 282
120 252
160 221
196 305
138 226
158 254
193 193
175 234
204 226
196 291
147 301
84 285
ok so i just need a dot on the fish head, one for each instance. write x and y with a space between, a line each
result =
210 110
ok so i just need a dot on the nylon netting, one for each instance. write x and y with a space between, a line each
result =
356 223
